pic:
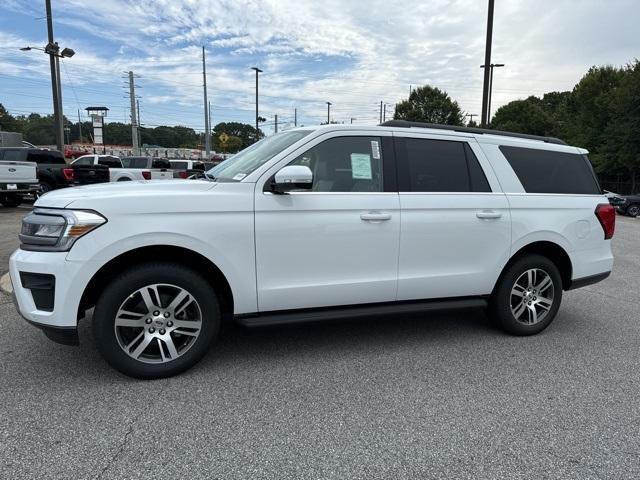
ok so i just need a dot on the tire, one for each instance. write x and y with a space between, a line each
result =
45 187
633 210
530 315
144 342
11 201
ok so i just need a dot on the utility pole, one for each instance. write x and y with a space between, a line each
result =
384 113
471 115
295 117
328 113
410 90
487 61
207 132
210 126
381 102
134 121
55 77
257 118
79 127
276 123
352 119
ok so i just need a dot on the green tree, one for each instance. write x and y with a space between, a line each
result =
245 132
429 104
524 116
7 122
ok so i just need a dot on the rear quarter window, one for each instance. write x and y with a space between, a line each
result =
546 171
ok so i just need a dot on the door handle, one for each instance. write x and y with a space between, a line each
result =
488 214
375 217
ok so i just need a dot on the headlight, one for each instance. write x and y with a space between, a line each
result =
56 230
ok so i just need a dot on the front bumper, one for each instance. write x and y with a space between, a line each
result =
70 280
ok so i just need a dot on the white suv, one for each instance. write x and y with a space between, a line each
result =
311 224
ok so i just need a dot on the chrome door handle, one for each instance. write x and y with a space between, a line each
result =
375 217
488 214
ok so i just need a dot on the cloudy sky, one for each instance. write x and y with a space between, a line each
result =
351 53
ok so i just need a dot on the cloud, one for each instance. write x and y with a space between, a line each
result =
351 53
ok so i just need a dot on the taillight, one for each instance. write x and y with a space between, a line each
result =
68 174
183 174
146 175
606 214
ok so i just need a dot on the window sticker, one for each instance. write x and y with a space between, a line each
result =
239 176
361 166
375 150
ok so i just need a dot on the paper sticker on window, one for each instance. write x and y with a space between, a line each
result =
375 150
239 176
361 166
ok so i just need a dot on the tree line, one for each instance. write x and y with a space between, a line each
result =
601 113
39 130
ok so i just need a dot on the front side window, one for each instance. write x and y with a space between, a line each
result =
251 158
345 164
441 166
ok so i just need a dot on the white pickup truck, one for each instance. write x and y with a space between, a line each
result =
117 173
16 179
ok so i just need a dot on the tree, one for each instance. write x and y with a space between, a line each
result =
7 122
245 132
429 104
523 116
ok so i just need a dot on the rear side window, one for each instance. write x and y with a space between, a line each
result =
179 165
160 163
46 157
441 166
17 155
545 171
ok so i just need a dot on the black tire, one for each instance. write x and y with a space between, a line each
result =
11 201
633 210
44 188
121 289
504 305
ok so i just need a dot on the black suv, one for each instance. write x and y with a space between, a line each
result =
50 165
631 205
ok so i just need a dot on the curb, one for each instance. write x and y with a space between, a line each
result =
5 284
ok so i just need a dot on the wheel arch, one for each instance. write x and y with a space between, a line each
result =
141 255
554 252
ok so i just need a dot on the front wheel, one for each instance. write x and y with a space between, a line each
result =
633 210
156 320
11 201
527 296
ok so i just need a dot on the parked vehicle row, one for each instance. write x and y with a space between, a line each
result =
630 205
313 224
16 179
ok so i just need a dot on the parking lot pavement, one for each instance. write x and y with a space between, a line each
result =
446 396
10 219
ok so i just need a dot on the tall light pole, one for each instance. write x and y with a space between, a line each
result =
207 130
487 61
491 67
258 71
329 112
53 50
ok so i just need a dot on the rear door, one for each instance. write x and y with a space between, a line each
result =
456 228
338 243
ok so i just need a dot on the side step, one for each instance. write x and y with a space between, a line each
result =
285 317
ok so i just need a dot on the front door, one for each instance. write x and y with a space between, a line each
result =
336 244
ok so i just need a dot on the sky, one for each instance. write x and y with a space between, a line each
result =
351 53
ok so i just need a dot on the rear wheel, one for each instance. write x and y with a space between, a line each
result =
156 320
633 210
11 201
528 295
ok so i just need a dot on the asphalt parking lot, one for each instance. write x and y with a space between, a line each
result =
447 396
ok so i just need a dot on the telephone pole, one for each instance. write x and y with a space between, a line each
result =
258 71
295 117
491 67
381 102
328 113
79 127
384 113
484 120
207 131
51 49
276 124
134 120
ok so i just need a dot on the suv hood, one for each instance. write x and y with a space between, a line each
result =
83 196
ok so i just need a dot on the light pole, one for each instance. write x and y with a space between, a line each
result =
487 61
53 50
258 71
491 67
328 112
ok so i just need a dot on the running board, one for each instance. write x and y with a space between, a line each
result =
285 317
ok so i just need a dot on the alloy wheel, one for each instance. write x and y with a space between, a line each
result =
532 296
158 323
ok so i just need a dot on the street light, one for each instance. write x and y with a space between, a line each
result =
257 118
491 67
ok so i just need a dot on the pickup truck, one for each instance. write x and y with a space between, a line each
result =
16 179
160 168
117 173
50 165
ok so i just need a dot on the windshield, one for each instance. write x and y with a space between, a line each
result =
249 159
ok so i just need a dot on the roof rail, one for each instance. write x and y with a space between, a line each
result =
481 131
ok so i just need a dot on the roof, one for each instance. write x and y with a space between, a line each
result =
476 131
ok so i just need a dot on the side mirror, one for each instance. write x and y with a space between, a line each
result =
292 177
